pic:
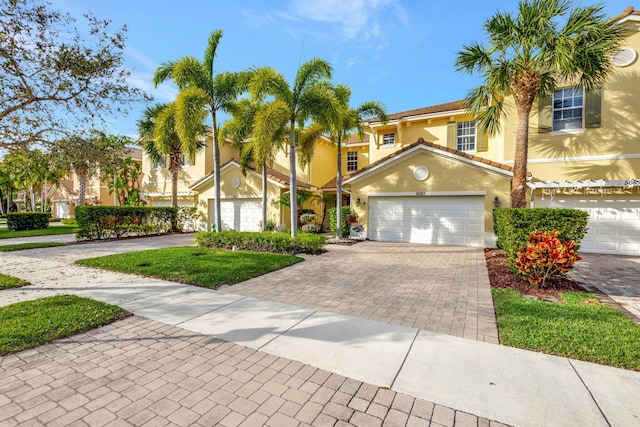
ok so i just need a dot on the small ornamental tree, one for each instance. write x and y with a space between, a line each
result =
545 257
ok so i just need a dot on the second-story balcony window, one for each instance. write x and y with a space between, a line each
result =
389 139
467 136
352 161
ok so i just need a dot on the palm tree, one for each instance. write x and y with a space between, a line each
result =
309 97
527 57
202 92
340 125
259 131
160 140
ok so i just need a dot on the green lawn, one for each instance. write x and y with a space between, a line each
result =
580 328
34 245
52 230
31 323
7 282
204 267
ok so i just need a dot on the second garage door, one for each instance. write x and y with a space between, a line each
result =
241 215
439 220
614 222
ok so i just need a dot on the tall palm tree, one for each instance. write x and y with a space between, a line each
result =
259 131
202 92
310 96
341 124
527 57
160 140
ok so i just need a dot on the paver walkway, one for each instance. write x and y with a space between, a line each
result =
443 289
616 276
140 372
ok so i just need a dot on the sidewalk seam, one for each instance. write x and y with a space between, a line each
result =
211 311
406 356
590 394
287 330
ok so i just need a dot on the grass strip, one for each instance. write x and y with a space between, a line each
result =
206 267
31 323
53 230
580 328
32 245
7 282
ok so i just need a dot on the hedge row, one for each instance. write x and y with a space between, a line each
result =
281 243
18 221
114 222
513 226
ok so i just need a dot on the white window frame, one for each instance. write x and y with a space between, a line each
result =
561 103
466 136
389 139
185 162
352 161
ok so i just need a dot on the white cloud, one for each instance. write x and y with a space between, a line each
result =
164 92
365 20
141 58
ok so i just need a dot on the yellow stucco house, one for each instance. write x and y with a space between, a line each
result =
429 176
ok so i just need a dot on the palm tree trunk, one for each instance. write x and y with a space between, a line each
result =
264 197
216 172
339 191
82 184
32 195
174 188
293 205
519 182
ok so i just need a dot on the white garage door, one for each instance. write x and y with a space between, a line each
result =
614 222
241 215
435 220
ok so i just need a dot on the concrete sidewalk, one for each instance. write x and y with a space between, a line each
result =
493 382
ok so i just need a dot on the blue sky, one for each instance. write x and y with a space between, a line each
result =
398 52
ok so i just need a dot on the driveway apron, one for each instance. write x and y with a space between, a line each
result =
442 289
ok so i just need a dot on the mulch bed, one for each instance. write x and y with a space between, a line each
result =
500 276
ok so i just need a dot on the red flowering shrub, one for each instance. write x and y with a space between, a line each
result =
545 257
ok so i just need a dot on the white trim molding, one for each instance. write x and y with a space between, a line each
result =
428 193
603 157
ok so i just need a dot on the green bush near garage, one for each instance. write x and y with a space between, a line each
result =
513 226
279 243
114 222
18 221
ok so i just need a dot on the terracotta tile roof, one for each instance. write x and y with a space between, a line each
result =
333 183
433 109
627 12
353 139
67 184
272 174
421 141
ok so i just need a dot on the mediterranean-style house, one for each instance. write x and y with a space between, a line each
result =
64 198
429 176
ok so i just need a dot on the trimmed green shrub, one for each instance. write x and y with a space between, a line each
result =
69 221
513 226
18 221
109 222
279 243
333 220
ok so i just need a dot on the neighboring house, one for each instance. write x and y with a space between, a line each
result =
64 198
429 176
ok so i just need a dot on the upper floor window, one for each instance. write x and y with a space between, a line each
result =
158 165
389 139
185 162
352 161
568 107
466 136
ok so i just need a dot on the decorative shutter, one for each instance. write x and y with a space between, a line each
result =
545 114
593 108
481 139
452 135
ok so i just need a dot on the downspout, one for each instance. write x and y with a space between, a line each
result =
532 203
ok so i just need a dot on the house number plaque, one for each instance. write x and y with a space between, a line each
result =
421 193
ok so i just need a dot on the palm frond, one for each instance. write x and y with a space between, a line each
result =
190 113
189 72
210 52
309 73
163 73
267 81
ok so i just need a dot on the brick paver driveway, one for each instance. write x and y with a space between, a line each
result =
614 275
443 289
